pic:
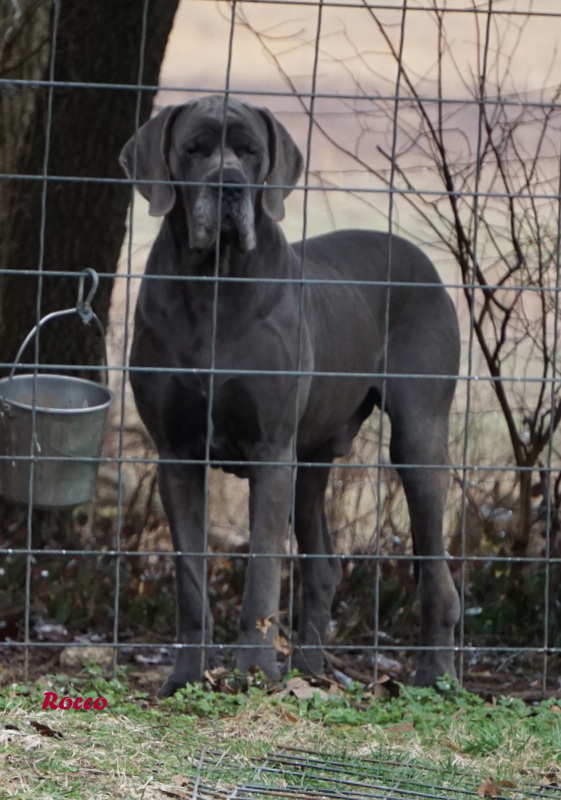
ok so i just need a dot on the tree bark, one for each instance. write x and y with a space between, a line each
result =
73 132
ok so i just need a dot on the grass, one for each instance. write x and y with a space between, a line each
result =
141 748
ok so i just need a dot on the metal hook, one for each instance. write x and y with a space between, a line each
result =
84 307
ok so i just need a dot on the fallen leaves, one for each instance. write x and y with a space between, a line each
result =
401 727
300 688
218 678
169 792
492 788
281 645
280 642
264 623
552 778
45 730
288 716
325 688
385 687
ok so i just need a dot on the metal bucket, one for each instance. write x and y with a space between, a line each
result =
62 438
52 426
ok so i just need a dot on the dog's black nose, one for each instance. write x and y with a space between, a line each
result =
231 181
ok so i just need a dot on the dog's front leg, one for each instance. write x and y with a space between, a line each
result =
270 502
182 489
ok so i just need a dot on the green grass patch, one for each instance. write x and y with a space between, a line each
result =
136 746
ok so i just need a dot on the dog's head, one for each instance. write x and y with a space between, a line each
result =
229 154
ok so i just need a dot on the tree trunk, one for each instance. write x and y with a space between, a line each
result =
72 132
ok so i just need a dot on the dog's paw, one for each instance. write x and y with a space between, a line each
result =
432 668
308 662
170 687
264 658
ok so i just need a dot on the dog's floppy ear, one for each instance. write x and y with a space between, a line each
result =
286 164
145 157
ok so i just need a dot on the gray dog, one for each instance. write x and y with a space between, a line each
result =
297 369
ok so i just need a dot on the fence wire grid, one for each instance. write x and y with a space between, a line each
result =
309 774
434 121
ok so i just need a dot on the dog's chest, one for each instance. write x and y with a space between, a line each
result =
233 329
217 416
223 373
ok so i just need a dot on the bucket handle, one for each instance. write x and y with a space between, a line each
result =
84 310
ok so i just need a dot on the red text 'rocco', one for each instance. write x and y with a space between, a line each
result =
65 703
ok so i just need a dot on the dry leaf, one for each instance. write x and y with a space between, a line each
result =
263 624
180 780
401 727
506 784
301 689
380 692
285 689
281 645
44 730
216 676
488 788
288 716
385 687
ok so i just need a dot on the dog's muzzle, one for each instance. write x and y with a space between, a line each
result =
223 206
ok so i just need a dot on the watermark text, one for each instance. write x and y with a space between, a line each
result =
65 703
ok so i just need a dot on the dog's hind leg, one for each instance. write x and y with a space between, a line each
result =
182 488
319 576
419 449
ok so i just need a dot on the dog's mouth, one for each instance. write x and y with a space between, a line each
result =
227 240
233 226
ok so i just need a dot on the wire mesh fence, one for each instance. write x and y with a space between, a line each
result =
432 122
308 774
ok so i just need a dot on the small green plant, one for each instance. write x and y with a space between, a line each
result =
195 700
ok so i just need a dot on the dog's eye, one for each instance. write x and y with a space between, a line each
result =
247 148
199 147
